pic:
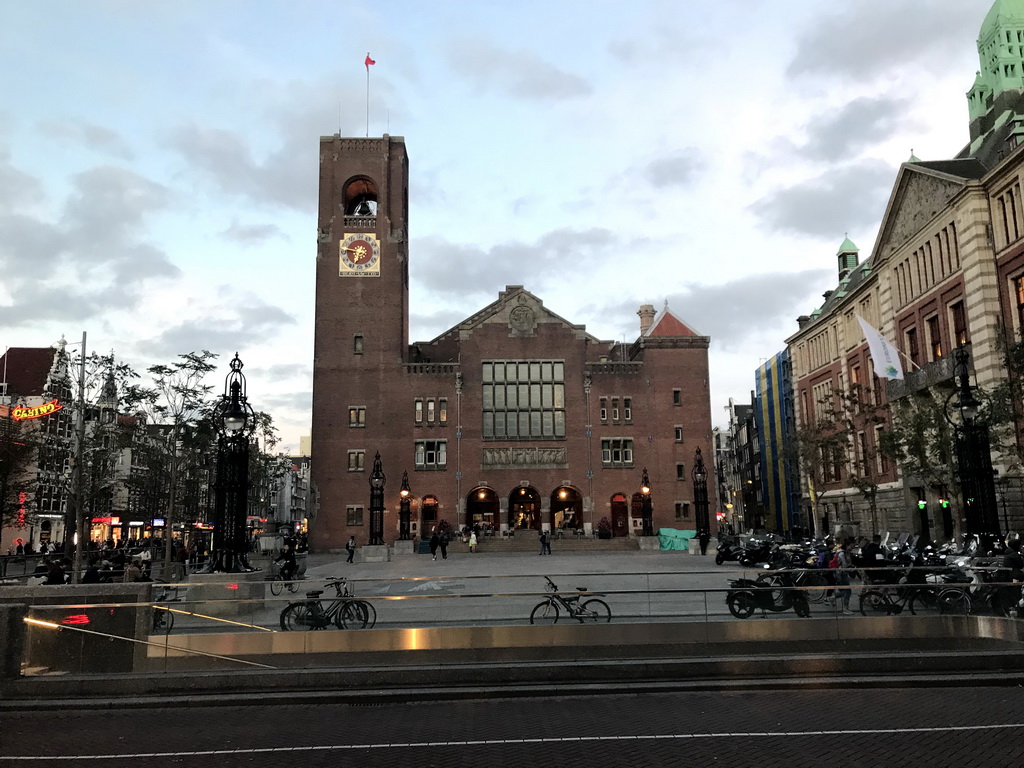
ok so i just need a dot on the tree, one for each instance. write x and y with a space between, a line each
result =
177 398
17 460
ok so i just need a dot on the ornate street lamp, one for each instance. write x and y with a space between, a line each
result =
699 473
235 421
973 452
377 480
403 508
646 509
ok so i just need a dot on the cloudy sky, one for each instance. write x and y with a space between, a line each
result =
158 162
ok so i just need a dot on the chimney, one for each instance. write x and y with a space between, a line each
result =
647 314
802 321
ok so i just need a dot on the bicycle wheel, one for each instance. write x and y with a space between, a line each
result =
292 586
596 611
741 604
351 615
776 582
544 613
371 613
276 585
924 601
954 602
875 603
820 587
297 617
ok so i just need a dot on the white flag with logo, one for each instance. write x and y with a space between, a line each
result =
884 356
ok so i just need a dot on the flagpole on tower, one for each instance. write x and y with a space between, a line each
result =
368 61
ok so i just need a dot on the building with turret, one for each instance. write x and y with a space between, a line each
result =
945 278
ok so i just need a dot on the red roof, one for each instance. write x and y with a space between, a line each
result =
670 325
25 369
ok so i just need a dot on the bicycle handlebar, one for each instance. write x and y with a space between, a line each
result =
554 587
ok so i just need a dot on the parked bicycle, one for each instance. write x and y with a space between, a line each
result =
278 583
343 612
593 611
163 619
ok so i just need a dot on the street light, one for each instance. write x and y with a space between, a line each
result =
646 509
377 480
973 452
403 508
235 421
699 473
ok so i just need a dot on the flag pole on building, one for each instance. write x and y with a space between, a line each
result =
368 61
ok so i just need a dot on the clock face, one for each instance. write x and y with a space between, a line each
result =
359 256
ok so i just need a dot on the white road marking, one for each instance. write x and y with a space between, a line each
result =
497 742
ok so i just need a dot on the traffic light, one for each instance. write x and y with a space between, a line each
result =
944 503
922 504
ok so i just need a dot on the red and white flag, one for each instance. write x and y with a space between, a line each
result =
368 62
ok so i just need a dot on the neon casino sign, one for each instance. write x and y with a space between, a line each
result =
22 413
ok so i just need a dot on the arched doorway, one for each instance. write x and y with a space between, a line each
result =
620 515
428 515
482 508
566 508
524 509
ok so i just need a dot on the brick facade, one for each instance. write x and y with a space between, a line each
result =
373 392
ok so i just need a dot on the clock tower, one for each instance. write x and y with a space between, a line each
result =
361 330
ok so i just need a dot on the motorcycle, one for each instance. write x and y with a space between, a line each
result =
749 595
757 551
728 550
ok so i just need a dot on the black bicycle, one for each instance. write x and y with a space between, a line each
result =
163 618
343 612
594 610
278 583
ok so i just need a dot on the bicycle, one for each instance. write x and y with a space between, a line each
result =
343 612
278 583
593 610
916 598
163 618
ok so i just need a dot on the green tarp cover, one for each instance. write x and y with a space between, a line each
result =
672 538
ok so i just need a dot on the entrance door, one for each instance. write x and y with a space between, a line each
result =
524 509
620 515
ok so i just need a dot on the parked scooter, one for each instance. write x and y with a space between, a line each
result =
748 595
728 549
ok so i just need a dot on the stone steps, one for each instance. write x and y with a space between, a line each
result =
531 543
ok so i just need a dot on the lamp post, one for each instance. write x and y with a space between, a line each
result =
403 508
234 420
699 473
973 452
646 509
377 480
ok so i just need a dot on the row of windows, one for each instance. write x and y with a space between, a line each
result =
616 415
936 259
934 336
430 411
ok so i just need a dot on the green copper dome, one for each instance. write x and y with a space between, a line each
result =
847 247
1001 10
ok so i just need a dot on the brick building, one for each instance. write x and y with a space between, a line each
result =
513 419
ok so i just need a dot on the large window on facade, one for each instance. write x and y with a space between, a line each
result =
617 452
353 515
431 454
934 337
523 400
959 320
356 460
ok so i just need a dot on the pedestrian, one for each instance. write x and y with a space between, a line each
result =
134 571
844 573
351 547
435 541
547 542
55 573
543 541
442 542
704 538
472 541
92 573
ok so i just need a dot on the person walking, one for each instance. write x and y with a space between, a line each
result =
704 538
543 541
844 573
472 542
442 542
435 541
350 546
